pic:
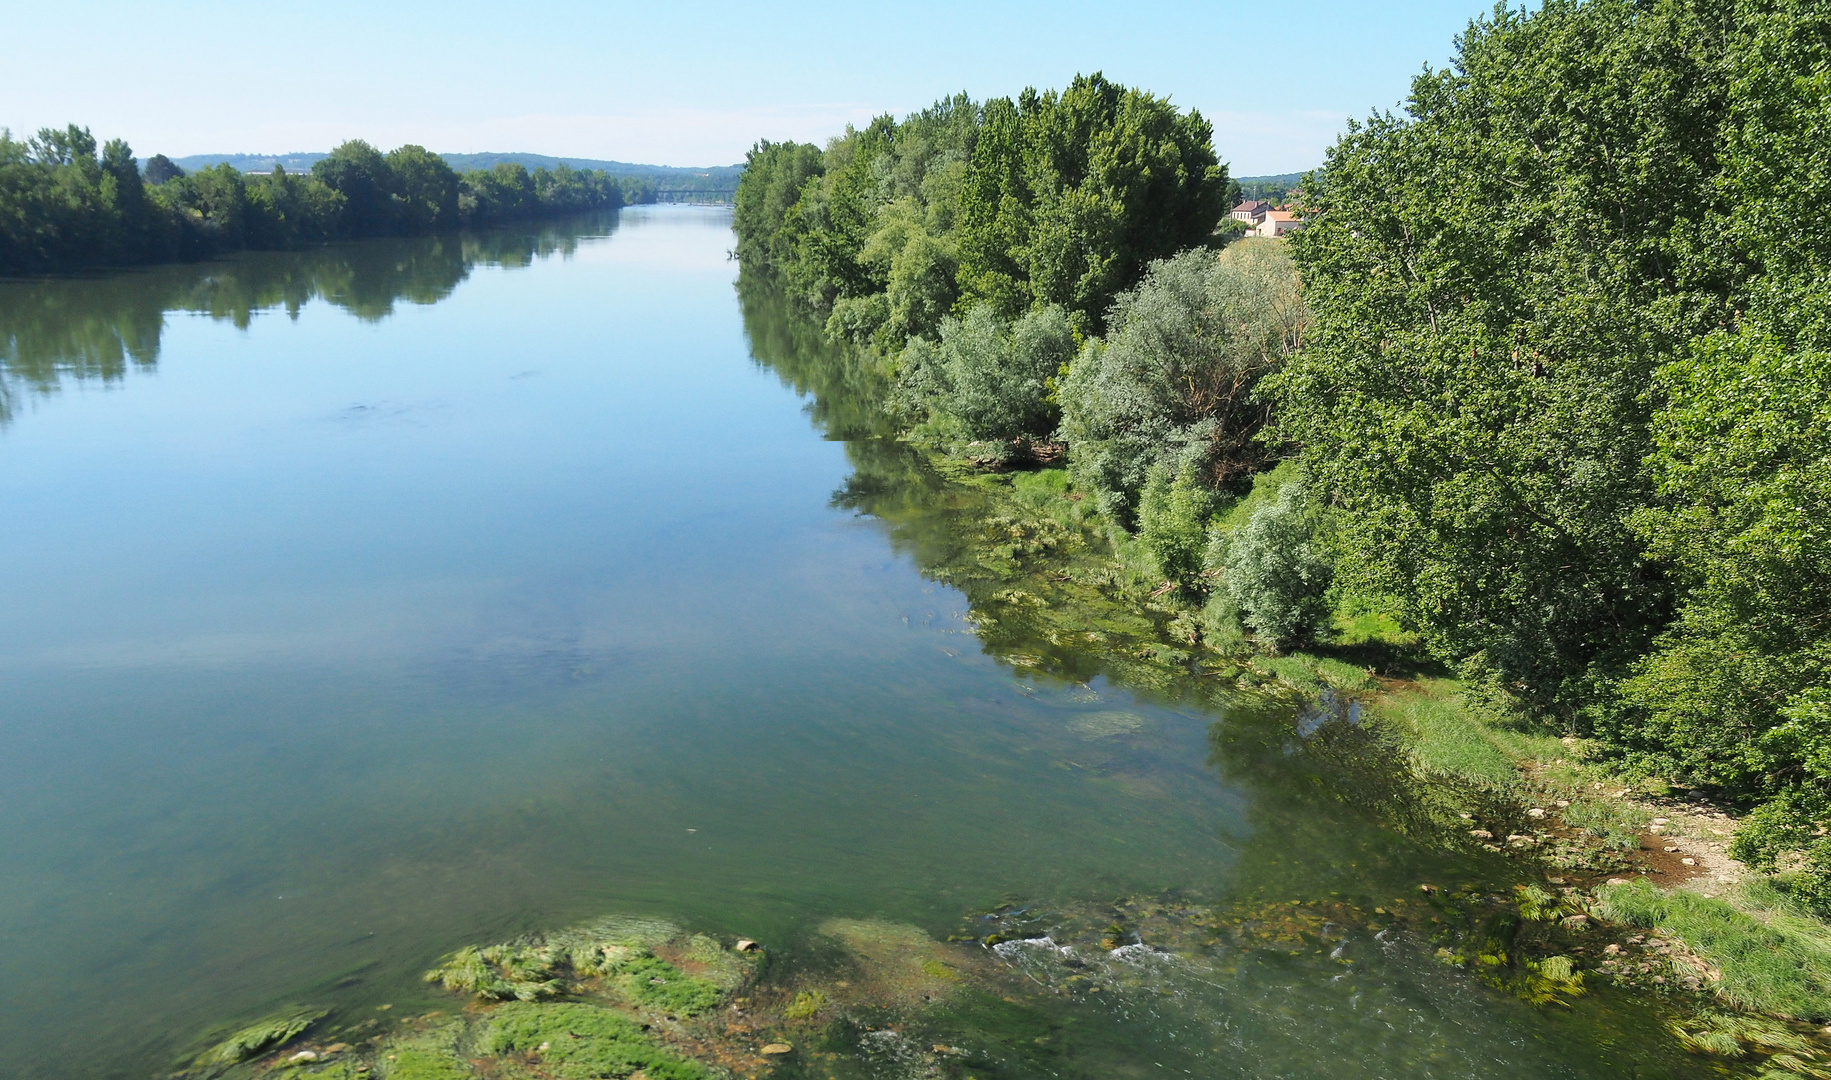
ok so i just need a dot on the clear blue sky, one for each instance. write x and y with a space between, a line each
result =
686 83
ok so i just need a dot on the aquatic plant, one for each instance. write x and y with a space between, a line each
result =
584 1042
648 980
1788 1052
805 1005
500 972
414 1063
259 1037
1538 905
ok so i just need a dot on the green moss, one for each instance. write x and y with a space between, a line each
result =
259 1037
584 1042
1781 966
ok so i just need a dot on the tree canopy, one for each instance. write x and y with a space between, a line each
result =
1052 198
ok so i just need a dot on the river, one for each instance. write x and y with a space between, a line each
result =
365 602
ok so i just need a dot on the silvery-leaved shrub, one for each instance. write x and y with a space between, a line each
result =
1276 571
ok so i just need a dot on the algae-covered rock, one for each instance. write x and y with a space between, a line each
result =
257 1038
415 1063
899 965
650 981
573 1040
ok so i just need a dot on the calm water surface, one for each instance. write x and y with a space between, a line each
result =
367 602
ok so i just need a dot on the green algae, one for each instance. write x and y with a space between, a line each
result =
500 973
583 1042
657 984
806 1004
418 1064
268 1033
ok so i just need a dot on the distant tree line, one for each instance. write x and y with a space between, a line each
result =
64 206
1546 378
1271 189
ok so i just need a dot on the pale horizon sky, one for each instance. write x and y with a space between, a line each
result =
695 84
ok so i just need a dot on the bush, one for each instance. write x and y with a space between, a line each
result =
986 379
1173 384
1173 518
1276 572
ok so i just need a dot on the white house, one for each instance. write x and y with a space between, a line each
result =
1276 223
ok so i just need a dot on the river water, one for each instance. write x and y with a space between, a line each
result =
370 601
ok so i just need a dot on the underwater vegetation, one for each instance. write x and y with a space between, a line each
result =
579 1042
259 1037
1088 990
1776 1050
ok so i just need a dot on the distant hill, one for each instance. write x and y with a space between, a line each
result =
1270 188
666 179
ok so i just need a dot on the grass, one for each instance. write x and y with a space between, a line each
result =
1616 824
1778 963
1445 738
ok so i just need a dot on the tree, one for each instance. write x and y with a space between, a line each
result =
424 190
771 183
1173 385
359 173
1737 695
160 168
1070 196
1495 278
987 380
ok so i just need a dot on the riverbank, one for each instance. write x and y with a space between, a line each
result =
1549 899
1641 861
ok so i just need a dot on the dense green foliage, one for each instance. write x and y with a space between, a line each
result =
987 379
63 205
1172 385
1277 571
1049 199
1569 390
1494 280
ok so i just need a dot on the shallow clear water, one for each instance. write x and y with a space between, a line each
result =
367 602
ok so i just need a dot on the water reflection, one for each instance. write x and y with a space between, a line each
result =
99 327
